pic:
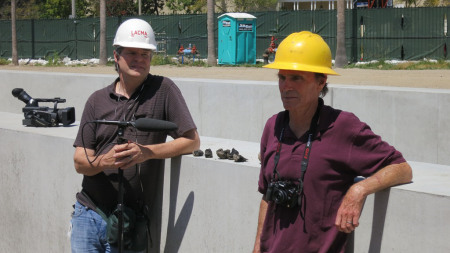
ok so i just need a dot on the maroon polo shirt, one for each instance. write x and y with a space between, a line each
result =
159 98
343 148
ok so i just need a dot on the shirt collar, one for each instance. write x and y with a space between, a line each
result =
112 91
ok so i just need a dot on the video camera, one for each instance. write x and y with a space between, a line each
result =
41 116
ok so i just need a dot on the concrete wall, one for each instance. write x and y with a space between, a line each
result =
211 205
206 205
413 120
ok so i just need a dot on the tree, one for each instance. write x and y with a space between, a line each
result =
187 6
409 3
212 59
432 3
341 54
56 9
255 5
14 33
25 9
152 6
103 52
120 7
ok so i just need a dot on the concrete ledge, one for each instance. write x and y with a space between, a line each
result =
206 205
413 120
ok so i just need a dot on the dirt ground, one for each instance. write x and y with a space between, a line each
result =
436 79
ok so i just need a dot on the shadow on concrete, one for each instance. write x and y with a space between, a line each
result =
380 204
176 227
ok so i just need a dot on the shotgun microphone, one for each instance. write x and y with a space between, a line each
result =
154 125
143 124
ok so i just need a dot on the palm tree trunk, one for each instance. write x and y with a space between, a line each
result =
341 55
212 59
103 52
15 60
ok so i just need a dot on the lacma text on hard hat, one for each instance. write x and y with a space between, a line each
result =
137 32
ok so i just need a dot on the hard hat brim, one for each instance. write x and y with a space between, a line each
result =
300 67
135 45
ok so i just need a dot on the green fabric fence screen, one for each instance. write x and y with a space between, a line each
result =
371 34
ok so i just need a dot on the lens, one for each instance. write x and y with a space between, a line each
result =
66 116
280 196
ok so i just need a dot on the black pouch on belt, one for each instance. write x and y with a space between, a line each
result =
135 227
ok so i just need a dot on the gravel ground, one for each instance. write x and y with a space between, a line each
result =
435 79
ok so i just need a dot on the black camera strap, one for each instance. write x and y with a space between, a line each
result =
301 198
307 152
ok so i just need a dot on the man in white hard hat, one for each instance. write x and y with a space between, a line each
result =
135 94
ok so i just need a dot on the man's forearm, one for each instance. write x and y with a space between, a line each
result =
262 216
388 176
347 218
82 164
183 145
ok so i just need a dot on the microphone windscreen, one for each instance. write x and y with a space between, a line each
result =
16 92
154 125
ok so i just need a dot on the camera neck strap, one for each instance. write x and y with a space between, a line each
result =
307 152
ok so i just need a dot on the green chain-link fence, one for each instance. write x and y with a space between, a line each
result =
394 33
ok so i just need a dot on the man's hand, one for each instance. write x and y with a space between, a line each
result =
347 218
129 154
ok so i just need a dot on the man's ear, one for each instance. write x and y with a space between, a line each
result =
323 80
116 56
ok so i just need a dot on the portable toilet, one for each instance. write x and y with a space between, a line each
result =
237 38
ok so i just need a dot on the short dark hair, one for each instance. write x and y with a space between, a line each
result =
324 90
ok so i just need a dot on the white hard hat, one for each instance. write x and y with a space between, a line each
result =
135 33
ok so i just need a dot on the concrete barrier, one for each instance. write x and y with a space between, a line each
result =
205 205
211 205
413 120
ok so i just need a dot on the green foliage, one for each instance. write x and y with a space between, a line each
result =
410 3
431 3
120 7
255 5
187 6
151 6
158 59
4 61
48 9
53 60
56 9
24 9
408 65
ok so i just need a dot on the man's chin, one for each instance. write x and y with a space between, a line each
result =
138 72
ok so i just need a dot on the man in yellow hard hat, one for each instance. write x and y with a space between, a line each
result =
99 156
310 156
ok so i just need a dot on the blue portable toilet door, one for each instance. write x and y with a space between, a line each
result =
246 49
227 42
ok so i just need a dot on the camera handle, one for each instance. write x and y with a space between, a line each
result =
120 140
55 101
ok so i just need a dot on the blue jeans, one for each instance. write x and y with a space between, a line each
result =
89 232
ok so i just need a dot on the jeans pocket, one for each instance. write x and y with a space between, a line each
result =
78 210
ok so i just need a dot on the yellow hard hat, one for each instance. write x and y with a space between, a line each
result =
303 51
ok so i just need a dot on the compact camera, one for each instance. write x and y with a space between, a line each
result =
284 193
